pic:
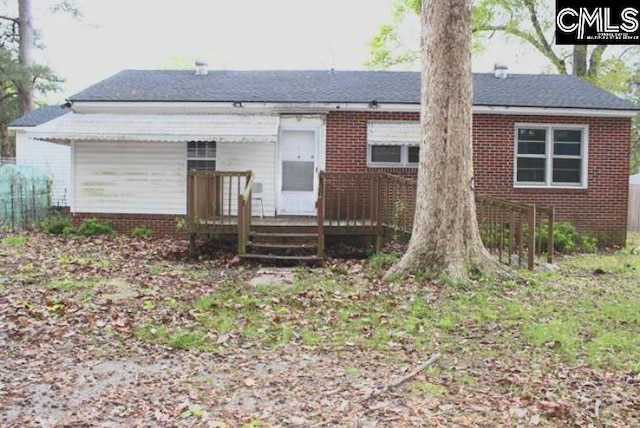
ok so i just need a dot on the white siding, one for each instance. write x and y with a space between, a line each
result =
54 160
257 157
130 177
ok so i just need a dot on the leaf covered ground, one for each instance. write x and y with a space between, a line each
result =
112 331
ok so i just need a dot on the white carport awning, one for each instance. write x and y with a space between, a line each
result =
159 127
393 133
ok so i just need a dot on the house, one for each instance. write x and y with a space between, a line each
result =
539 139
54 160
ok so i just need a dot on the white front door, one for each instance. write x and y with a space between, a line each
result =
297 167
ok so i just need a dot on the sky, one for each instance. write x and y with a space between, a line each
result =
243 34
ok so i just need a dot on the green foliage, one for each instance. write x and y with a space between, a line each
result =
530 22
181 224
383 260
57 224
14 241
142 232
567 239
94 226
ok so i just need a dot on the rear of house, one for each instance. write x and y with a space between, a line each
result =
51 159
133 138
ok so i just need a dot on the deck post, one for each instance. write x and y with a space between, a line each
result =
242 249
192 245
550 243
320 214
377 212
532 237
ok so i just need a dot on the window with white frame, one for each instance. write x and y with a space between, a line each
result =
201 155
393 144
551 155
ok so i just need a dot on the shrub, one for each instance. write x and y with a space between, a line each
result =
142 232
93 226
57 224
566 238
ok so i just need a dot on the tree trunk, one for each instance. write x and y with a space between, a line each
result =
5 143
579 60
445 237
25 28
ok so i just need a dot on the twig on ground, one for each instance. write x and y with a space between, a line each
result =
396 383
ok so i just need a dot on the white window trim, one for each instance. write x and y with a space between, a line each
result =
548 184
196 158
404 157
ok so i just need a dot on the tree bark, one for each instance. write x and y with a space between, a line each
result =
579 60
5 144
25 31
445 237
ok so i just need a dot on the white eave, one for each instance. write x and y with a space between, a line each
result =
273 108
159 127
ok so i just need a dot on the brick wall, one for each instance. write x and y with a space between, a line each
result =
161 224
601 209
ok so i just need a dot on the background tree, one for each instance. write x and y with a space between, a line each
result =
445 237
20 76
531 22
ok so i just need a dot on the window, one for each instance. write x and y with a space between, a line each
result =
551 155
201 155
393 143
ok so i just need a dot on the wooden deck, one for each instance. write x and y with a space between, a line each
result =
372 204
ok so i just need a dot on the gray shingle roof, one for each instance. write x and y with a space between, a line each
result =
40 115
521 90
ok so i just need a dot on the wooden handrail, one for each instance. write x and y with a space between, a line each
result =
503 225
246 195
244 213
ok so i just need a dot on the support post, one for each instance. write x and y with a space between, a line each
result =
320 214
550 243
532 237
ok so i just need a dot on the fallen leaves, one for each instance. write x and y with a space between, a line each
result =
69 308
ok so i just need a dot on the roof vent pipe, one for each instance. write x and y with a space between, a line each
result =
500 70
202 67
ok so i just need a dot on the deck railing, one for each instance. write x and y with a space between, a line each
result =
244 215
367 199
511 229
212 198
381 202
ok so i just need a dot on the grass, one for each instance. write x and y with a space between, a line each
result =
69 284
14 241
570 315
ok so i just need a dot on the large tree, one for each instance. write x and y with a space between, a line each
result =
445 237
529 21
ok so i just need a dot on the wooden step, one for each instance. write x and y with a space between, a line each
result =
272 257
282 235
269 246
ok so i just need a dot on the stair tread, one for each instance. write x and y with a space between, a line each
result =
283 235
282 246
276 257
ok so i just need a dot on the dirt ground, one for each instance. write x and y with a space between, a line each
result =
81 339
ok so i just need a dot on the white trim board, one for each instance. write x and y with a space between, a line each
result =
179 107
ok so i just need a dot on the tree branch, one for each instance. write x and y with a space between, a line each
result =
403 379
8 18
595 59
7 96
543 42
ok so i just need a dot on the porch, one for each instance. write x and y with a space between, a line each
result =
370 204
